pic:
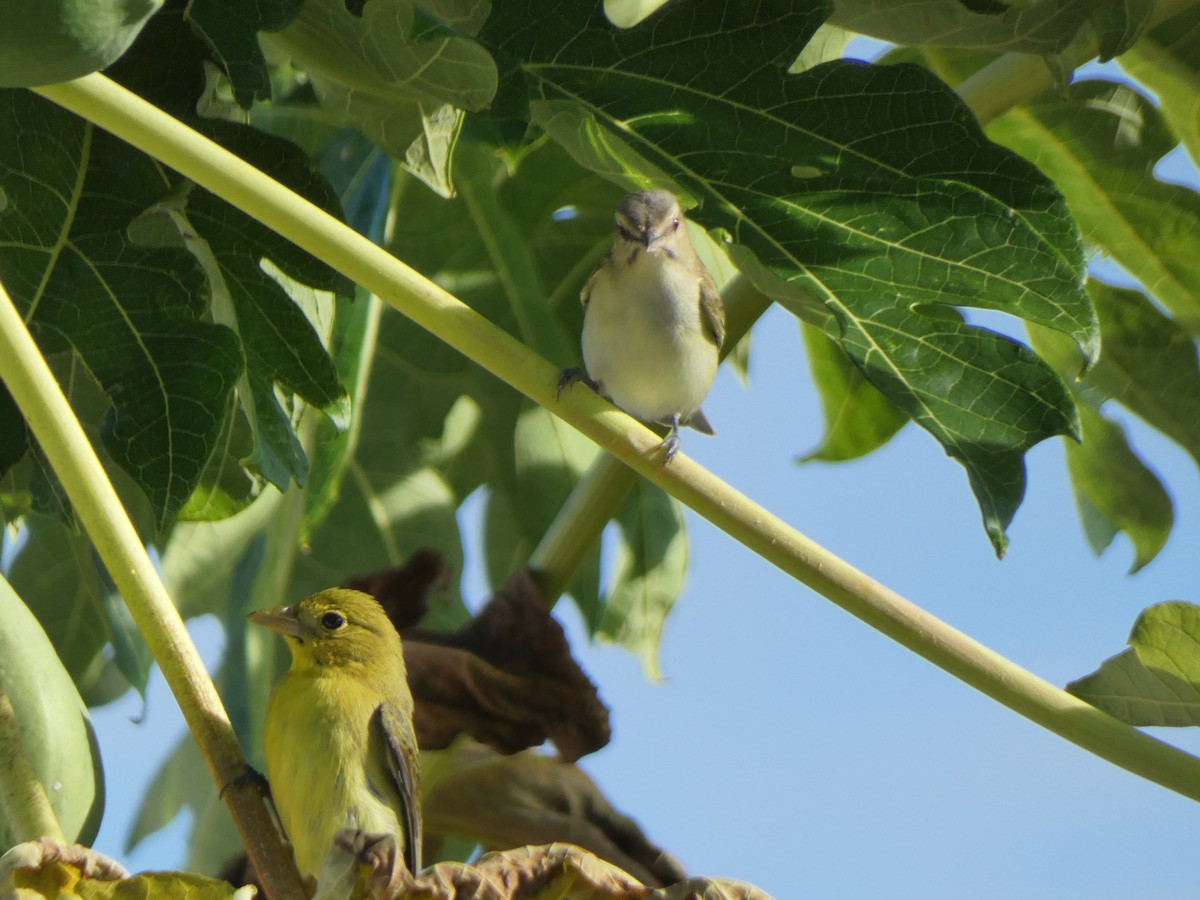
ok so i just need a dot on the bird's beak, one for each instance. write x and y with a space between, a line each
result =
282 620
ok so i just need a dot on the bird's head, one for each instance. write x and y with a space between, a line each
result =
337 627
647 222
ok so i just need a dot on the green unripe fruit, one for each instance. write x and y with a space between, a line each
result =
46 41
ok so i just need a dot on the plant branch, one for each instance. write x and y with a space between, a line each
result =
115 109
41 401
1016 77
24 806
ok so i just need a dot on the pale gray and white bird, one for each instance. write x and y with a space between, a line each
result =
653 320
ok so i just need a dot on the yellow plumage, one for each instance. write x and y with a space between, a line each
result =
339 742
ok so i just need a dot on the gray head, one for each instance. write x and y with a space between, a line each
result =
646 217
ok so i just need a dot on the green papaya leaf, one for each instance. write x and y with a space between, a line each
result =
54 723
550 457
1157 680
1167 61
47 41
1116 491
858 418
1150 364
135 314
1043 26
1100 143
55 574
230 27
401 72
651 564
841 182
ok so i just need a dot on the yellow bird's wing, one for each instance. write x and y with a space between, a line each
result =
403 766
585 292
712 310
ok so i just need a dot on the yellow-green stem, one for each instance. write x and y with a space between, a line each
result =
58 432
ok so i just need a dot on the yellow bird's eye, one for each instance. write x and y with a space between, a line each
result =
332 621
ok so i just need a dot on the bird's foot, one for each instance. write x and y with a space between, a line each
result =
249 775
568 377
364 865
670 445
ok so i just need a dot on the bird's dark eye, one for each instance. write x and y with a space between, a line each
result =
624 233
674 224
332 621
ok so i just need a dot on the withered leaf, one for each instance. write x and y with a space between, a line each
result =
403 591
361 867
529 798
506 678
44 869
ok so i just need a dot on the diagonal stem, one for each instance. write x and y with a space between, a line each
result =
132 119
41 401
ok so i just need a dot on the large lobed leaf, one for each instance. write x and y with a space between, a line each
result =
1167 60
171 298
1101 142
135 314
870 188
399 71
230 28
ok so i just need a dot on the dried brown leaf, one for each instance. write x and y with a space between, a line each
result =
359 869
506 679
530 799
403 591
517 684
44 870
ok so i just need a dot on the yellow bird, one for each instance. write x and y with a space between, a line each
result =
339 740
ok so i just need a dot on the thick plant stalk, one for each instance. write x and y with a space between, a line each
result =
137 122
1016 77
41 401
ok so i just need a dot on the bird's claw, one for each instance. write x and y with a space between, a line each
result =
249 775
568 377
670 446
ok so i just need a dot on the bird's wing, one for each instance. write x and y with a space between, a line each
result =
401 744
712 310
585 293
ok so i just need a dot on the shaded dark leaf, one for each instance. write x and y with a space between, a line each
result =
230 27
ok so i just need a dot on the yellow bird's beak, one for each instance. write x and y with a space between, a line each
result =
281 619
